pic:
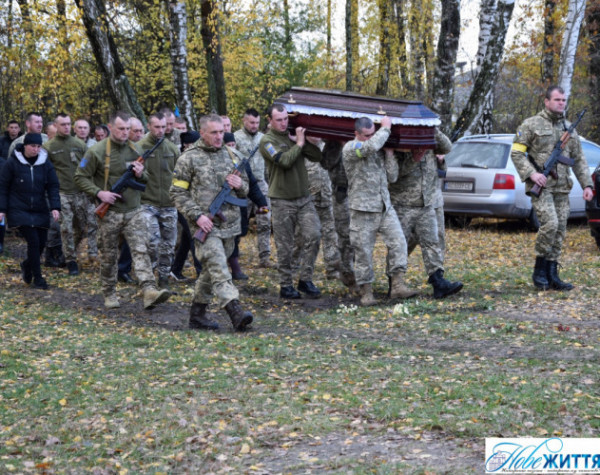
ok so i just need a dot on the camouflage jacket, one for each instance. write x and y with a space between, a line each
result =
65 153
245 143
160 166
319 183
535 140
368 173
90 176
174 136
417 181
288 178
199 175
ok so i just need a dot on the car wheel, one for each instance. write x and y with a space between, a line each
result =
459 221
533 221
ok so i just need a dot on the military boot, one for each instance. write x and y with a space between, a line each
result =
198 319
73 268
265 261
26 273
239 318
553 279
540 274
399 290
366 295
442 287
349 280
111 301
51 260
153 296
236 270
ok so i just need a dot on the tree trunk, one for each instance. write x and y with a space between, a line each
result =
178 37
385 48
105 51
471 115
548 53
443 79
402 51
569 44
329 17
351 41
487 17
217 99
593 27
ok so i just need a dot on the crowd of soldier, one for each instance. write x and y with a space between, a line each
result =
311 194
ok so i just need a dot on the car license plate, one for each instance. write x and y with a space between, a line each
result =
459 186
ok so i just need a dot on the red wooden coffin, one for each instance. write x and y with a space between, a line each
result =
330 115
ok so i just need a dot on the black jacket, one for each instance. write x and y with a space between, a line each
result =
26 190
5 142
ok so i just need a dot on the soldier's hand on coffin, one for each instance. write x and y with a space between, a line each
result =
418 154
440 158
313 140
300 136
386 122
234 181
389 152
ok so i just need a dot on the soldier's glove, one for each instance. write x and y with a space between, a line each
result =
341 192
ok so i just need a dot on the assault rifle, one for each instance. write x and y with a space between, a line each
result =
127 180
225 196
556 156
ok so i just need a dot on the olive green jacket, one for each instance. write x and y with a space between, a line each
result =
160 165
65 153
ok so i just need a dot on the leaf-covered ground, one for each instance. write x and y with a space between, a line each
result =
317 386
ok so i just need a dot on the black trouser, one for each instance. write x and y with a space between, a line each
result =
186 245
36 241
245 223
125 259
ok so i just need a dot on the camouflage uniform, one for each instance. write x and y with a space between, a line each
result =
332 161
157 206
198 177
414 197
320 190
65 153
124 216
292 205
174 136
371 210
535 138
245 143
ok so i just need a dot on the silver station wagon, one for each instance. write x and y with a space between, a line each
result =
482 181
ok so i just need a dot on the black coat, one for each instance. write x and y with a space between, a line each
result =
5 142
26 190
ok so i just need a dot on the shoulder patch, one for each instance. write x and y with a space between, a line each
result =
269 147
83 162
357 145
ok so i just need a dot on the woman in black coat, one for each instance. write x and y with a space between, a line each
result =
28 182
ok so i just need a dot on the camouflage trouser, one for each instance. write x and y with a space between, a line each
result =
92 228
329 241
287 215
552 210
73 220
341 215
215 276
132 226
364 227
162 236
413 239
263 223
54 239
422 223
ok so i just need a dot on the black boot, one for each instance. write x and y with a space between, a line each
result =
59 256
442 287
39 283
50 258
553 279
73 268
236 270
2 231
198 320
540 274
239 318
26 273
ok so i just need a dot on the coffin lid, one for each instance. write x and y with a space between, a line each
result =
335 103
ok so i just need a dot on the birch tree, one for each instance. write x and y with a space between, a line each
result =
121 94
385 47
593 30
569 44
351 41
443 79
548 51
178 38
470 117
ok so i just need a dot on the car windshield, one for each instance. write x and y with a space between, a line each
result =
478 155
